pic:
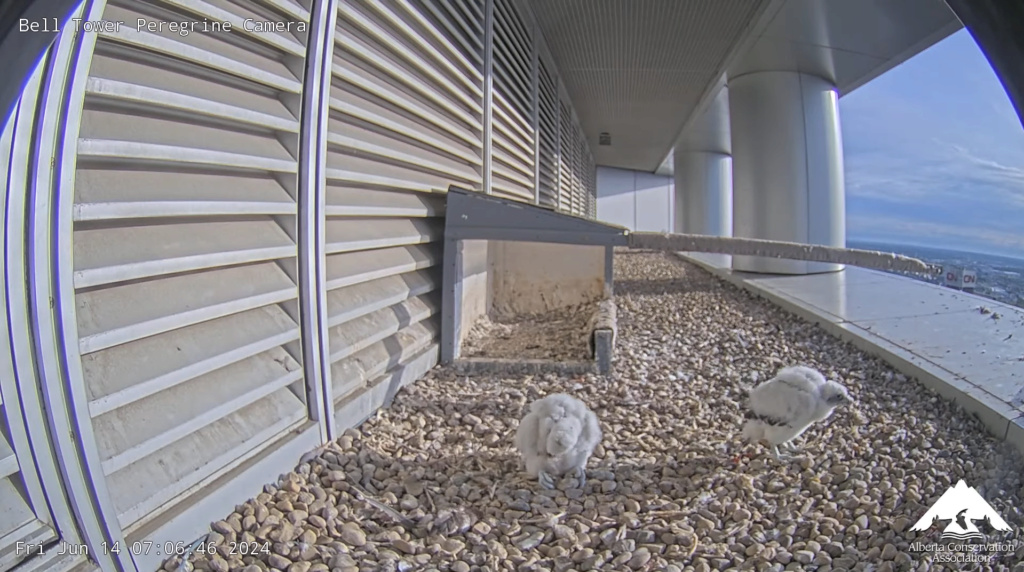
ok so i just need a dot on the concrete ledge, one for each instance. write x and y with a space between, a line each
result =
484 366
1002 417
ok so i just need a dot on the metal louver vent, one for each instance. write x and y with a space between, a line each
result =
577 170
462 24
591 178
512 105
185 249
547 95
565 145
406 119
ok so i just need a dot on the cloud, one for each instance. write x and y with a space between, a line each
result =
931 156
895 229
954 175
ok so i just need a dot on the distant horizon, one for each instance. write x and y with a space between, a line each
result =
943 247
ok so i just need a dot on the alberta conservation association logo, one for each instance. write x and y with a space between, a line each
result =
962 540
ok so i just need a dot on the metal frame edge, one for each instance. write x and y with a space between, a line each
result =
312 208
53 293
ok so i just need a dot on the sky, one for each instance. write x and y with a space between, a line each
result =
934 154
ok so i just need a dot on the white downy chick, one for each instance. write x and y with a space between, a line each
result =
782 408
557 437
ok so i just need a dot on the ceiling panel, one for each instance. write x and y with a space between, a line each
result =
637 68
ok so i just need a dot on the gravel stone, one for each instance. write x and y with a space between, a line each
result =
433 482
352 534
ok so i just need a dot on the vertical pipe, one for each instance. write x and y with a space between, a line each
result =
312 207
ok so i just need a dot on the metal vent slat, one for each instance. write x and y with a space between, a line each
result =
406 120
364 52
577 169
512 56
379 92
351 234
384 26
354 373
512 134
347 304
565 200
184 253
356 267
431 42
547 96
458 22
364 331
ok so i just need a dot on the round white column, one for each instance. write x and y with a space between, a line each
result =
703 192
787 166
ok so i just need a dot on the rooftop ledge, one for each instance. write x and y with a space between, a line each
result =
967 348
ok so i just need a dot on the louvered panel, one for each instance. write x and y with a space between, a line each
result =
578 190
512 133
565 199
512 150
406 121
512 52
592 185
547 95
185 249
354 373
20 523
572 158
461 21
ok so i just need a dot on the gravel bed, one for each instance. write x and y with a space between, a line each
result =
433 483
559 335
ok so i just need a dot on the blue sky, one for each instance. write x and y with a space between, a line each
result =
934 154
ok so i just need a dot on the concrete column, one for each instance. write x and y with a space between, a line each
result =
787 166
703 192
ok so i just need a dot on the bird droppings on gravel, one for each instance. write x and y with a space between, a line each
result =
433 482
559 335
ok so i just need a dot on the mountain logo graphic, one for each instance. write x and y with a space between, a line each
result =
965 508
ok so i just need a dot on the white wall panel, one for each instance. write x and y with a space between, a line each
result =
634 199
654 202
616 196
